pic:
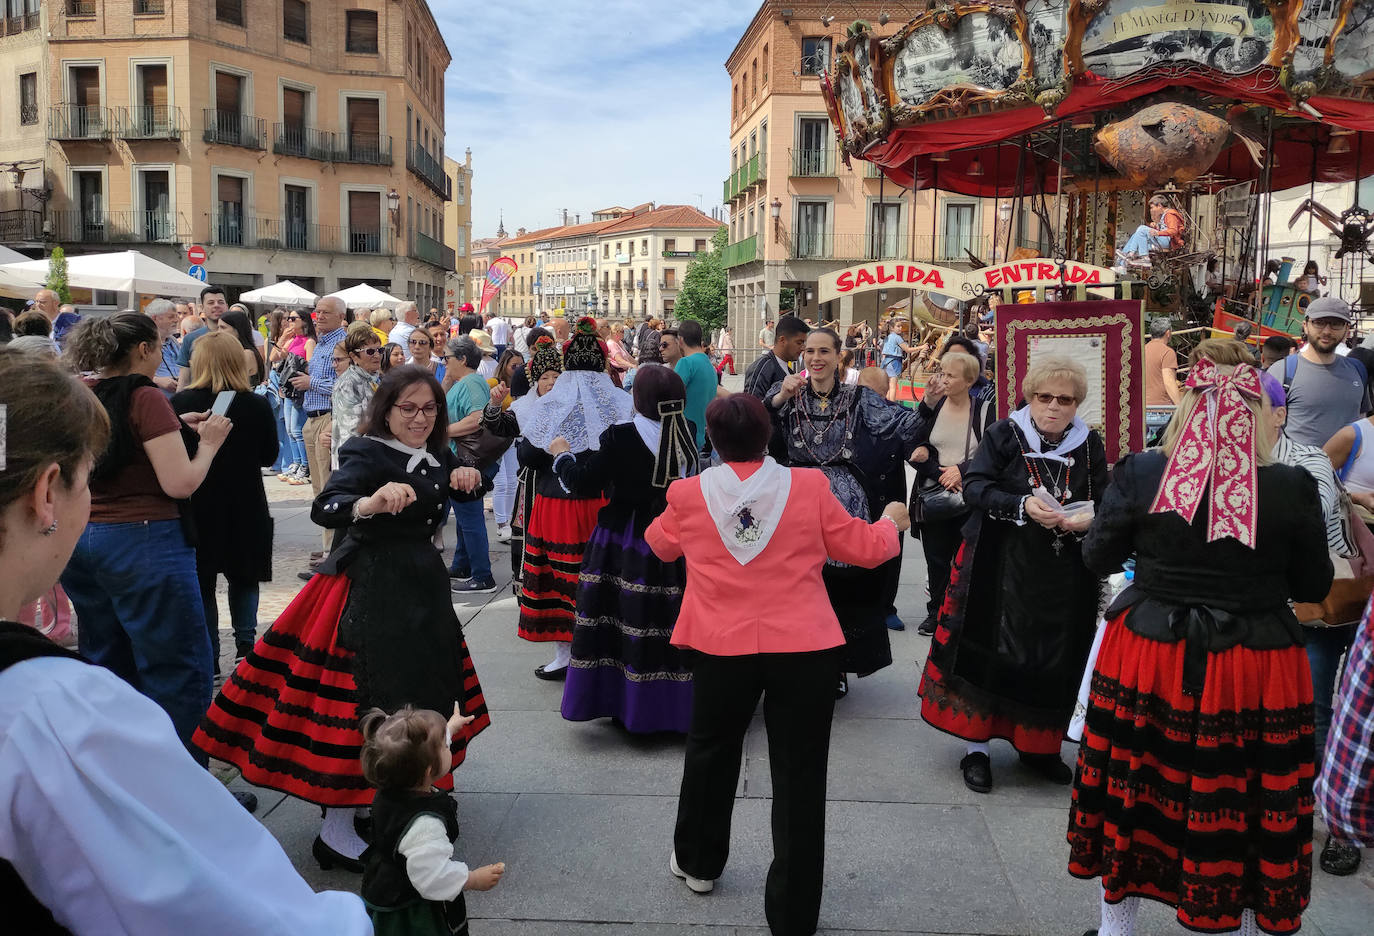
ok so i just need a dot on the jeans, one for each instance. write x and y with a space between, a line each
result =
1325 647
503 489
940 541
294 417
471 553
798 692
243 610
1142 240
135 592
269 392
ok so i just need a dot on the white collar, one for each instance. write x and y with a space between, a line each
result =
746 512
417 455
650 431
1076 435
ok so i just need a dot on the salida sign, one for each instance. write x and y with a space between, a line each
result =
1019 274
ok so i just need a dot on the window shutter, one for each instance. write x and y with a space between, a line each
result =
365 211
293 107
296 20
362 31
228 88
231 189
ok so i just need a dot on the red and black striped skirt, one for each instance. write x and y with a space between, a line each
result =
287 717
555 539
1201 802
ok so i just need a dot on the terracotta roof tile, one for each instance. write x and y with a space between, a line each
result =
664 216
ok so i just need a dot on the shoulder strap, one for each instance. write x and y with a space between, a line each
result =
1290 370
1355 447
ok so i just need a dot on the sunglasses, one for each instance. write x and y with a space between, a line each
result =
418 342
1045 399
369 351
293 318
410 410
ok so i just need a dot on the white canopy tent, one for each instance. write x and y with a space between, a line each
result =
19 285
284 293
11 256
127 271
364 296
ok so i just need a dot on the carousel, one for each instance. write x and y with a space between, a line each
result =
1149 139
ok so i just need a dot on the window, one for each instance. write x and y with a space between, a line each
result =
749 231
811 231
90 204
606 251
765 65
884 231
229 215
754 80
229 11
734 102
670 278
669 244
644 246
296 217
813 154
958 230
700 245
815 55
361 36
295 21
28 98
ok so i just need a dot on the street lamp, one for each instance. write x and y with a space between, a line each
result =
393 204
775 209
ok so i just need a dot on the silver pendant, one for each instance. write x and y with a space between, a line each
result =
1058 545
1058 495
818 437
846 454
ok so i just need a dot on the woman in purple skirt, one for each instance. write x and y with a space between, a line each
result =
623 665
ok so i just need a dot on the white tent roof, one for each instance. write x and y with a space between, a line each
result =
21 285
126 271
11 256
282 293
364 296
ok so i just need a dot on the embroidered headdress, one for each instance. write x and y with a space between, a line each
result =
584 351
544 359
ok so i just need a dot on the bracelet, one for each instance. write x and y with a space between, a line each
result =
357 514
890 520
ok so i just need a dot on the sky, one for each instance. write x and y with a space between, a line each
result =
582 105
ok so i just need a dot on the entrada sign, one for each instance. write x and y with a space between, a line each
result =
1018 274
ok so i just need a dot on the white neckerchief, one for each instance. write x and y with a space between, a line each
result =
650 431
1076 436
417 455
746 513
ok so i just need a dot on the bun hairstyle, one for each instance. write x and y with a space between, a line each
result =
398 749
98 343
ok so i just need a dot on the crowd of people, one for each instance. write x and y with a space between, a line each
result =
1222 694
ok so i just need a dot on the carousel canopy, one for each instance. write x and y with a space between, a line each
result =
1000 97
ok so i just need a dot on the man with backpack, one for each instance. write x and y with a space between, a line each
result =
1326 392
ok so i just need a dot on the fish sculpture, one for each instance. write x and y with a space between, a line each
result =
1169 142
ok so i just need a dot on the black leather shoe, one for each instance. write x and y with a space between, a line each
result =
842 689
553 675
1049 766
247 799
977 770
329 858
927 628
363 826
1339 858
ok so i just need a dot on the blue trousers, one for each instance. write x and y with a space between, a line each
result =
137 599
1142 240
268 392
1325 647
294 417
243 610
471 553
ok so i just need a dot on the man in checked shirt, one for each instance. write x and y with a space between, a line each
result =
1345 788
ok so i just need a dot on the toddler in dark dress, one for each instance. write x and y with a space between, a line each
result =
412 883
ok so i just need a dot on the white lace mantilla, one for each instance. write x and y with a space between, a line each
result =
581 406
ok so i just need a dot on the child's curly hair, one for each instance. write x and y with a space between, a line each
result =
398 749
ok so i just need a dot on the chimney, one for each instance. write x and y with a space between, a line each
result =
565 217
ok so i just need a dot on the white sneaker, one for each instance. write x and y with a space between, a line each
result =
697 885
503 533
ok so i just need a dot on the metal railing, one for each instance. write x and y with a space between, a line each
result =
231 229
371 149
425 248
81 7
448 258
430 171
235 129
119 227
79 122
28 114
924 248
306 142
150 6
21 224
812 162
150 122
744 251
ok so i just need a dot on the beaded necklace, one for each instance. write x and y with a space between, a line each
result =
808 432
1060 494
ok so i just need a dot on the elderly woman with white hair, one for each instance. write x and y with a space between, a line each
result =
1020 609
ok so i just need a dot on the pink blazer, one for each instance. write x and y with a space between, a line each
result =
777 603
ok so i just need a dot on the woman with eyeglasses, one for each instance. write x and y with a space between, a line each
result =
289 716
291 353
355 386
1020 610
420 347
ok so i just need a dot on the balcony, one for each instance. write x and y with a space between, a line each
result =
745 251
234 230
640 284
430 171
150 122
368 149
79 122
16 23
423 247
667 286
925 248
305 142
813 163
234 129
751 173
20 225
28 114
119 227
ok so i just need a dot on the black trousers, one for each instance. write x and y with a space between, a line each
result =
798 692
940 540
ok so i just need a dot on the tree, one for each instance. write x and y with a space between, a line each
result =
702 296
57 275
787 299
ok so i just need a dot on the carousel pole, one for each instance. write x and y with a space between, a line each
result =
1312 192
911 293
1020 194
1268 176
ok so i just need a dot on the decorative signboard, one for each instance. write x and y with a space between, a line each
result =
910 274
1104 337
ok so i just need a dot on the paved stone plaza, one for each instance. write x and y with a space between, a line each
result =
582 813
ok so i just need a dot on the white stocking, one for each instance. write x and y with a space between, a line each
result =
1118 919
562 655
337 832
1248 925
977 747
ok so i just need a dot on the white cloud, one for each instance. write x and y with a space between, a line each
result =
581 105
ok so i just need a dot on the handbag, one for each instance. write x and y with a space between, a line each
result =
483 449
932 500
288 367
1354 580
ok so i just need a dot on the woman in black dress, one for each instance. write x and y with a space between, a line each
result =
375 628
1013 635
623 665
233 525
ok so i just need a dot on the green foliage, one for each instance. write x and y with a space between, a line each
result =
702 296
57 275
787 299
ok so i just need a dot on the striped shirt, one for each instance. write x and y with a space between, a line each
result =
321 392
1345 788
1315 462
